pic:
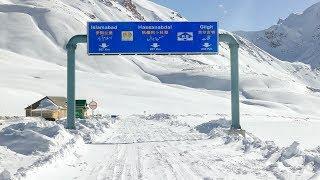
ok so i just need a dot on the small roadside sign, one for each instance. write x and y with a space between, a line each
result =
93 105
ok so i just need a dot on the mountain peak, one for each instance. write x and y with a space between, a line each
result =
295 38
280 21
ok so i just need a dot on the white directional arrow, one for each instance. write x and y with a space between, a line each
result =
155 45
206 45
104 45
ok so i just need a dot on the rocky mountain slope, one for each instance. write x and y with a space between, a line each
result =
33 60
296 38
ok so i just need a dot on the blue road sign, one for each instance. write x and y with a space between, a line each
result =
152 38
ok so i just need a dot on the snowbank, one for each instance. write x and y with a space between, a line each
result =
90 128
33 137
285 163
36 143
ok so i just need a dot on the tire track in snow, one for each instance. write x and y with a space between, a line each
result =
161 158
105 170
184 157
120 162
139 163
177 165
180 169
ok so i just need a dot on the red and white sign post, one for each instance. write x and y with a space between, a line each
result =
93 105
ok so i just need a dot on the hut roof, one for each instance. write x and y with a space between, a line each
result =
59 101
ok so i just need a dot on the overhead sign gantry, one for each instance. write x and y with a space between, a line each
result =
113 38
143 38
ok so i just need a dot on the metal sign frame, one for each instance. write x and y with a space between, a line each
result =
225 37
215 37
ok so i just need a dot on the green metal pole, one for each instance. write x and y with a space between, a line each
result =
235 87
71 48
71 87
234 48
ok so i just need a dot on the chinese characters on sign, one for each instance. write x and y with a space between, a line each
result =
152 38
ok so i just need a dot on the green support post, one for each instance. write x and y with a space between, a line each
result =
71 48
234 48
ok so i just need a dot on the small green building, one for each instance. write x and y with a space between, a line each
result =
81 108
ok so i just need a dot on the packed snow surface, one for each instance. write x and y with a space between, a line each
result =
162 146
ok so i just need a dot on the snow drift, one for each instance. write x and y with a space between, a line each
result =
38 142
285 163
289 162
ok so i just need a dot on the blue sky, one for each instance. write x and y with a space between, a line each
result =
238 14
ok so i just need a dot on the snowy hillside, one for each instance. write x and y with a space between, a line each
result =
279 102
41 28
296 38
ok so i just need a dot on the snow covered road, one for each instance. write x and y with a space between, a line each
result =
142 148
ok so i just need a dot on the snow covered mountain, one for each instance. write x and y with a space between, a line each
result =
297 38
279 102
41 28
33 35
